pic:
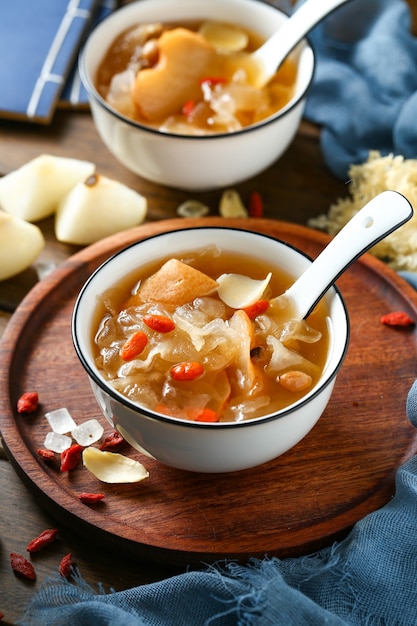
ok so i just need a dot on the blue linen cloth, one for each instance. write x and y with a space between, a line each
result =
364 93
368 579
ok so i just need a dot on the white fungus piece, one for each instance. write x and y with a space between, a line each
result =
88 432
60 421
57 442
112 467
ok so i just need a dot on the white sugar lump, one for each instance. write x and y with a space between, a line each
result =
60 421
57 442
88 432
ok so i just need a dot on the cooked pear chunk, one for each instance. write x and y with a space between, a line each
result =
225 37
33 191
184 56
239 291
97 208
243 327
176 283
20 244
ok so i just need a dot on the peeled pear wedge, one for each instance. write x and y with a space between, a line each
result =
98 208
239 291
20 244
112 467
33 191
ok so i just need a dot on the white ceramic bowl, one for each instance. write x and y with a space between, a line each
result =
194 163
196 446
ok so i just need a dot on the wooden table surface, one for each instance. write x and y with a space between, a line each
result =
297 187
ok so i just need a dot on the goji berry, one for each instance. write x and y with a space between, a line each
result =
189 370
256 206
46 455
113 442
43 540
213 80
159 323
397 318
28 402
188 108
22 566
207 415
134 346
65 566
71 457
90 498
257 308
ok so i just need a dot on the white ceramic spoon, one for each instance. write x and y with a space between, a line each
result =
273 52
377 219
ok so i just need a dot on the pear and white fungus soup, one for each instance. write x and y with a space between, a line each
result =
205 336
192 79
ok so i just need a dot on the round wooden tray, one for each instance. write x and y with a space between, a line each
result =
297 503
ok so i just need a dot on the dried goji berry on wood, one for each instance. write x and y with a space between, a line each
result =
46 455
90 498
44 539
23 567
71 457
134 346
65 566
397 318
256 207
113 442
159 323
28 402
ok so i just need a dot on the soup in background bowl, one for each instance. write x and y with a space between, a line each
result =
184 161
251 417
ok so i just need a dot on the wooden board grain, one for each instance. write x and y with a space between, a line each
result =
293 505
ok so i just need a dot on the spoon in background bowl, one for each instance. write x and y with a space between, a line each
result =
377 219
273 52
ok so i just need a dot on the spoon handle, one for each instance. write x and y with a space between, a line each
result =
377 219
273 52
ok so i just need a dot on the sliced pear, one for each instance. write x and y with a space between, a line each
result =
20 244
184 57
224 37
231 204
112 467
98 208
33 191
242 325
176 283
238 291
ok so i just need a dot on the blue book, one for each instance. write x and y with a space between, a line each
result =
39 42
74 94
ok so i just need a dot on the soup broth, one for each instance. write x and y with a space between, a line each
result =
192 79
233 363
